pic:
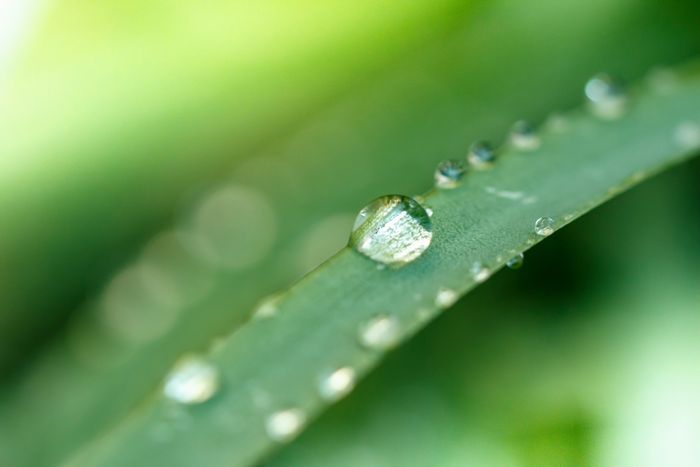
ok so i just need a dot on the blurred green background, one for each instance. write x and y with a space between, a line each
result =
166 165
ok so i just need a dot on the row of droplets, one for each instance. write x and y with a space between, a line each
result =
605 98
395 230
194 380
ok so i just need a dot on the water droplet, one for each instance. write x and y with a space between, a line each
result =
267 307
192 381
687 135
337 384
605 96
392 230
523 136
481 155
516 262
448 173
544 226
380 332
445 298
285 425
480 273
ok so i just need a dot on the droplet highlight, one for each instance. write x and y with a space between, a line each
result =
449 173
481 155
380 332
337 384
267 308
687 135
606 97
393 230
285 425
544 226
516 262
445 298
192 381
523 136
480 273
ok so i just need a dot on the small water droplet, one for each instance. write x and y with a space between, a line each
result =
480 273
448 173
687 135
606 98
524 137
544 226
285 425
267 308
516 261
337 383
481 155
429 211
192 381
445 297
380 332
393 230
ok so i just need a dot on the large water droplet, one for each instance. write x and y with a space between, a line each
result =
605 96
516 262
337 383
544 226
524 137
448 173
380 332
284 425
481 155
392 230
192 381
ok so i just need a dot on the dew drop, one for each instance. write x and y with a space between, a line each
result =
429 211
544 226
337 383
393 230
285 425
445 298
448 173
380 333
687 135
524 137
481 155
480 273
191 381
267 308
516 262
605 96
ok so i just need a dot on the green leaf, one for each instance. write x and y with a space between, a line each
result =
275 364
